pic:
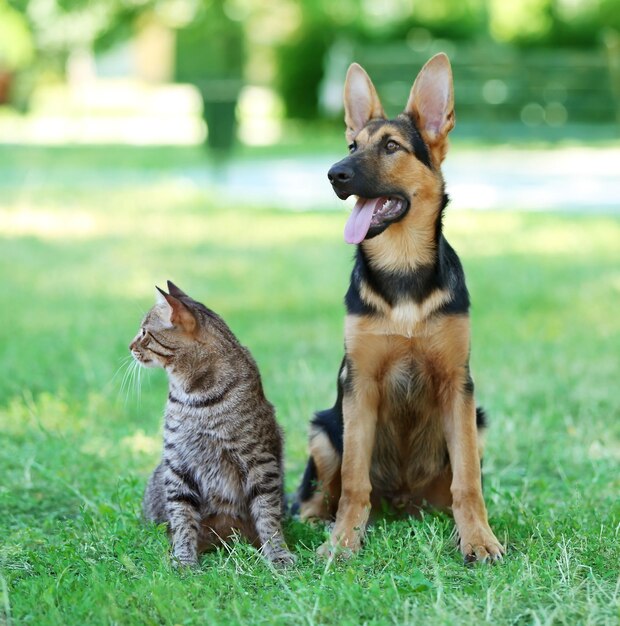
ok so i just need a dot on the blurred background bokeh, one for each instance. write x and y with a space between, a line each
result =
250 78
150 71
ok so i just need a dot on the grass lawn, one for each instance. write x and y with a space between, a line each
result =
78 271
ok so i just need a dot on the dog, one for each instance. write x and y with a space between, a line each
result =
405 429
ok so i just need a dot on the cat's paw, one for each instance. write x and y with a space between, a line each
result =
183 561
282 558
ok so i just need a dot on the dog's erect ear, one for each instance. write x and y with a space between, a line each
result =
361 102
431 103
180 315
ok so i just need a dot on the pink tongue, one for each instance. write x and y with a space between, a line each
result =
358 223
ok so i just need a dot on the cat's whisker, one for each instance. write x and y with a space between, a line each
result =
123 389
135 380
129 380
123 363
139 386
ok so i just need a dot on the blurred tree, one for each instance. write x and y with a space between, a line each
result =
289 39
16 44
451 19
565 23
300 68
60 27
300 59
210 44
210 54
16 48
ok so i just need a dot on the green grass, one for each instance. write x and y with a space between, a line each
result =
78 271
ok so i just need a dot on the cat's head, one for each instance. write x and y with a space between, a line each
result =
174 327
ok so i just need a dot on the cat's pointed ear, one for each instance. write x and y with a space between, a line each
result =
431 104
160 296
180 315
361 102
175 291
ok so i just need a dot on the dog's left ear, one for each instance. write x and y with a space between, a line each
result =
361 102
431 104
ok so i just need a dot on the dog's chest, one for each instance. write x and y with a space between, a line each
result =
410 447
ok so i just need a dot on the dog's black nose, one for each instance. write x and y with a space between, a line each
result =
340 174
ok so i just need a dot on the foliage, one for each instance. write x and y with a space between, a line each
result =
60 27
287 41
553 22
540 23
300 69
210 45
16 46
79 269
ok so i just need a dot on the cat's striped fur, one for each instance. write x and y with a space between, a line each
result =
221 471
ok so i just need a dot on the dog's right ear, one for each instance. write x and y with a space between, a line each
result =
431 104
361 102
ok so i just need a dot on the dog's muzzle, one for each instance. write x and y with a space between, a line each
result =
341 176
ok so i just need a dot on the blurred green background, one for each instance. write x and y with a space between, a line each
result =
545 69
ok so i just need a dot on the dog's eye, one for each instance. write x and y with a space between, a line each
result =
391 146
353 147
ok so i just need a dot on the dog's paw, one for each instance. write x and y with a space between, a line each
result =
343 547
325 550
328 550
481 546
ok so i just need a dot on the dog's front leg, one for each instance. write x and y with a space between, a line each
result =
477 541
359 407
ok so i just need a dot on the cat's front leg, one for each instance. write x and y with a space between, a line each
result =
266 512
184 535
183 513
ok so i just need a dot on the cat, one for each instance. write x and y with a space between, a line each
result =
221 471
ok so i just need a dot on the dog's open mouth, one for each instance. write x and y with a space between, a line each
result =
370 213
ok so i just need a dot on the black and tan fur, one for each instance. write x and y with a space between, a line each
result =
221 470
404 429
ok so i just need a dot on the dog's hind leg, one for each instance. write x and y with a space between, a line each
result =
319 491
437 494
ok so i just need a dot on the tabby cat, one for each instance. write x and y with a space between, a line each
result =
221 470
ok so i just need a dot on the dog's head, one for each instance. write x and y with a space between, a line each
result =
391 160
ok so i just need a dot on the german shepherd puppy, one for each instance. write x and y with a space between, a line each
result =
405 429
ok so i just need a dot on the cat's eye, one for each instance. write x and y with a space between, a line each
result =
142 333
353 146
392 146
